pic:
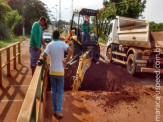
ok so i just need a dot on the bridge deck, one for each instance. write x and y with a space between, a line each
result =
14 88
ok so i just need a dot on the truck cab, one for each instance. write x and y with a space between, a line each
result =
112 32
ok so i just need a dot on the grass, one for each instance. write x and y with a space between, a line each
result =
4 43
102 41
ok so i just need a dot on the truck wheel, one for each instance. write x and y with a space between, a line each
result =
131 65
109 55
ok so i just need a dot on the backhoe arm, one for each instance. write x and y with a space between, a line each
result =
84 63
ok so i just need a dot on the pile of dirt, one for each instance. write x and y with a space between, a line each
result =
128 95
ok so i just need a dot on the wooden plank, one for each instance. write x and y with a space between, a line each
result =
41 112
38 104
8 60
17 54
9 46
14 54
28 104
0 70
19 51
3 66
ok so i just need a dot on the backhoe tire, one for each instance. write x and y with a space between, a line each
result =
131 65
109 55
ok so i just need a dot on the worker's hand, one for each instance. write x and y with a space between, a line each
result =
64 63
47 66
44 46
40 50
37 48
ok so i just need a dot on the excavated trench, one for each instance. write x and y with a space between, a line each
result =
101 77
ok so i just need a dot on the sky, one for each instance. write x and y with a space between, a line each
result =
153 10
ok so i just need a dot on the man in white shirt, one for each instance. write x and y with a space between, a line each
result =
55 50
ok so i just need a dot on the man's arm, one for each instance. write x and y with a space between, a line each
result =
44 56
46 53
36 36
69 54
43 42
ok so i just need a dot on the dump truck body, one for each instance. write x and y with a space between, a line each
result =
127 36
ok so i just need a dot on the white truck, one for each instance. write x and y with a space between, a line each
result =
130 42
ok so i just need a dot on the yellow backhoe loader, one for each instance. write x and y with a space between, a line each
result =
86 47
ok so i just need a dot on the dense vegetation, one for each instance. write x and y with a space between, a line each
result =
31 10
156 26
15 13
9 20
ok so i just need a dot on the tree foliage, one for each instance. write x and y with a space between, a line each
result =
156 26
31 10
9 19
126 8
113 8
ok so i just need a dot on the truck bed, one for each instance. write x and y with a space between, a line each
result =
136 33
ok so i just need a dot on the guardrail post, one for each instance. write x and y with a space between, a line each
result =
0 70
19 51
8 62
14 54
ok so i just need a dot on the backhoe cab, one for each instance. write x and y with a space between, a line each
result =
80 16
78 39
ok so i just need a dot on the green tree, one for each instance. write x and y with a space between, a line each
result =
156 27
113 8
4 30
9 19
13 19
31 10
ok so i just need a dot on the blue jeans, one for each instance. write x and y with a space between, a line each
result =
85 36
57 85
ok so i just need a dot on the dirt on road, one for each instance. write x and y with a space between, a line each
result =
109 94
